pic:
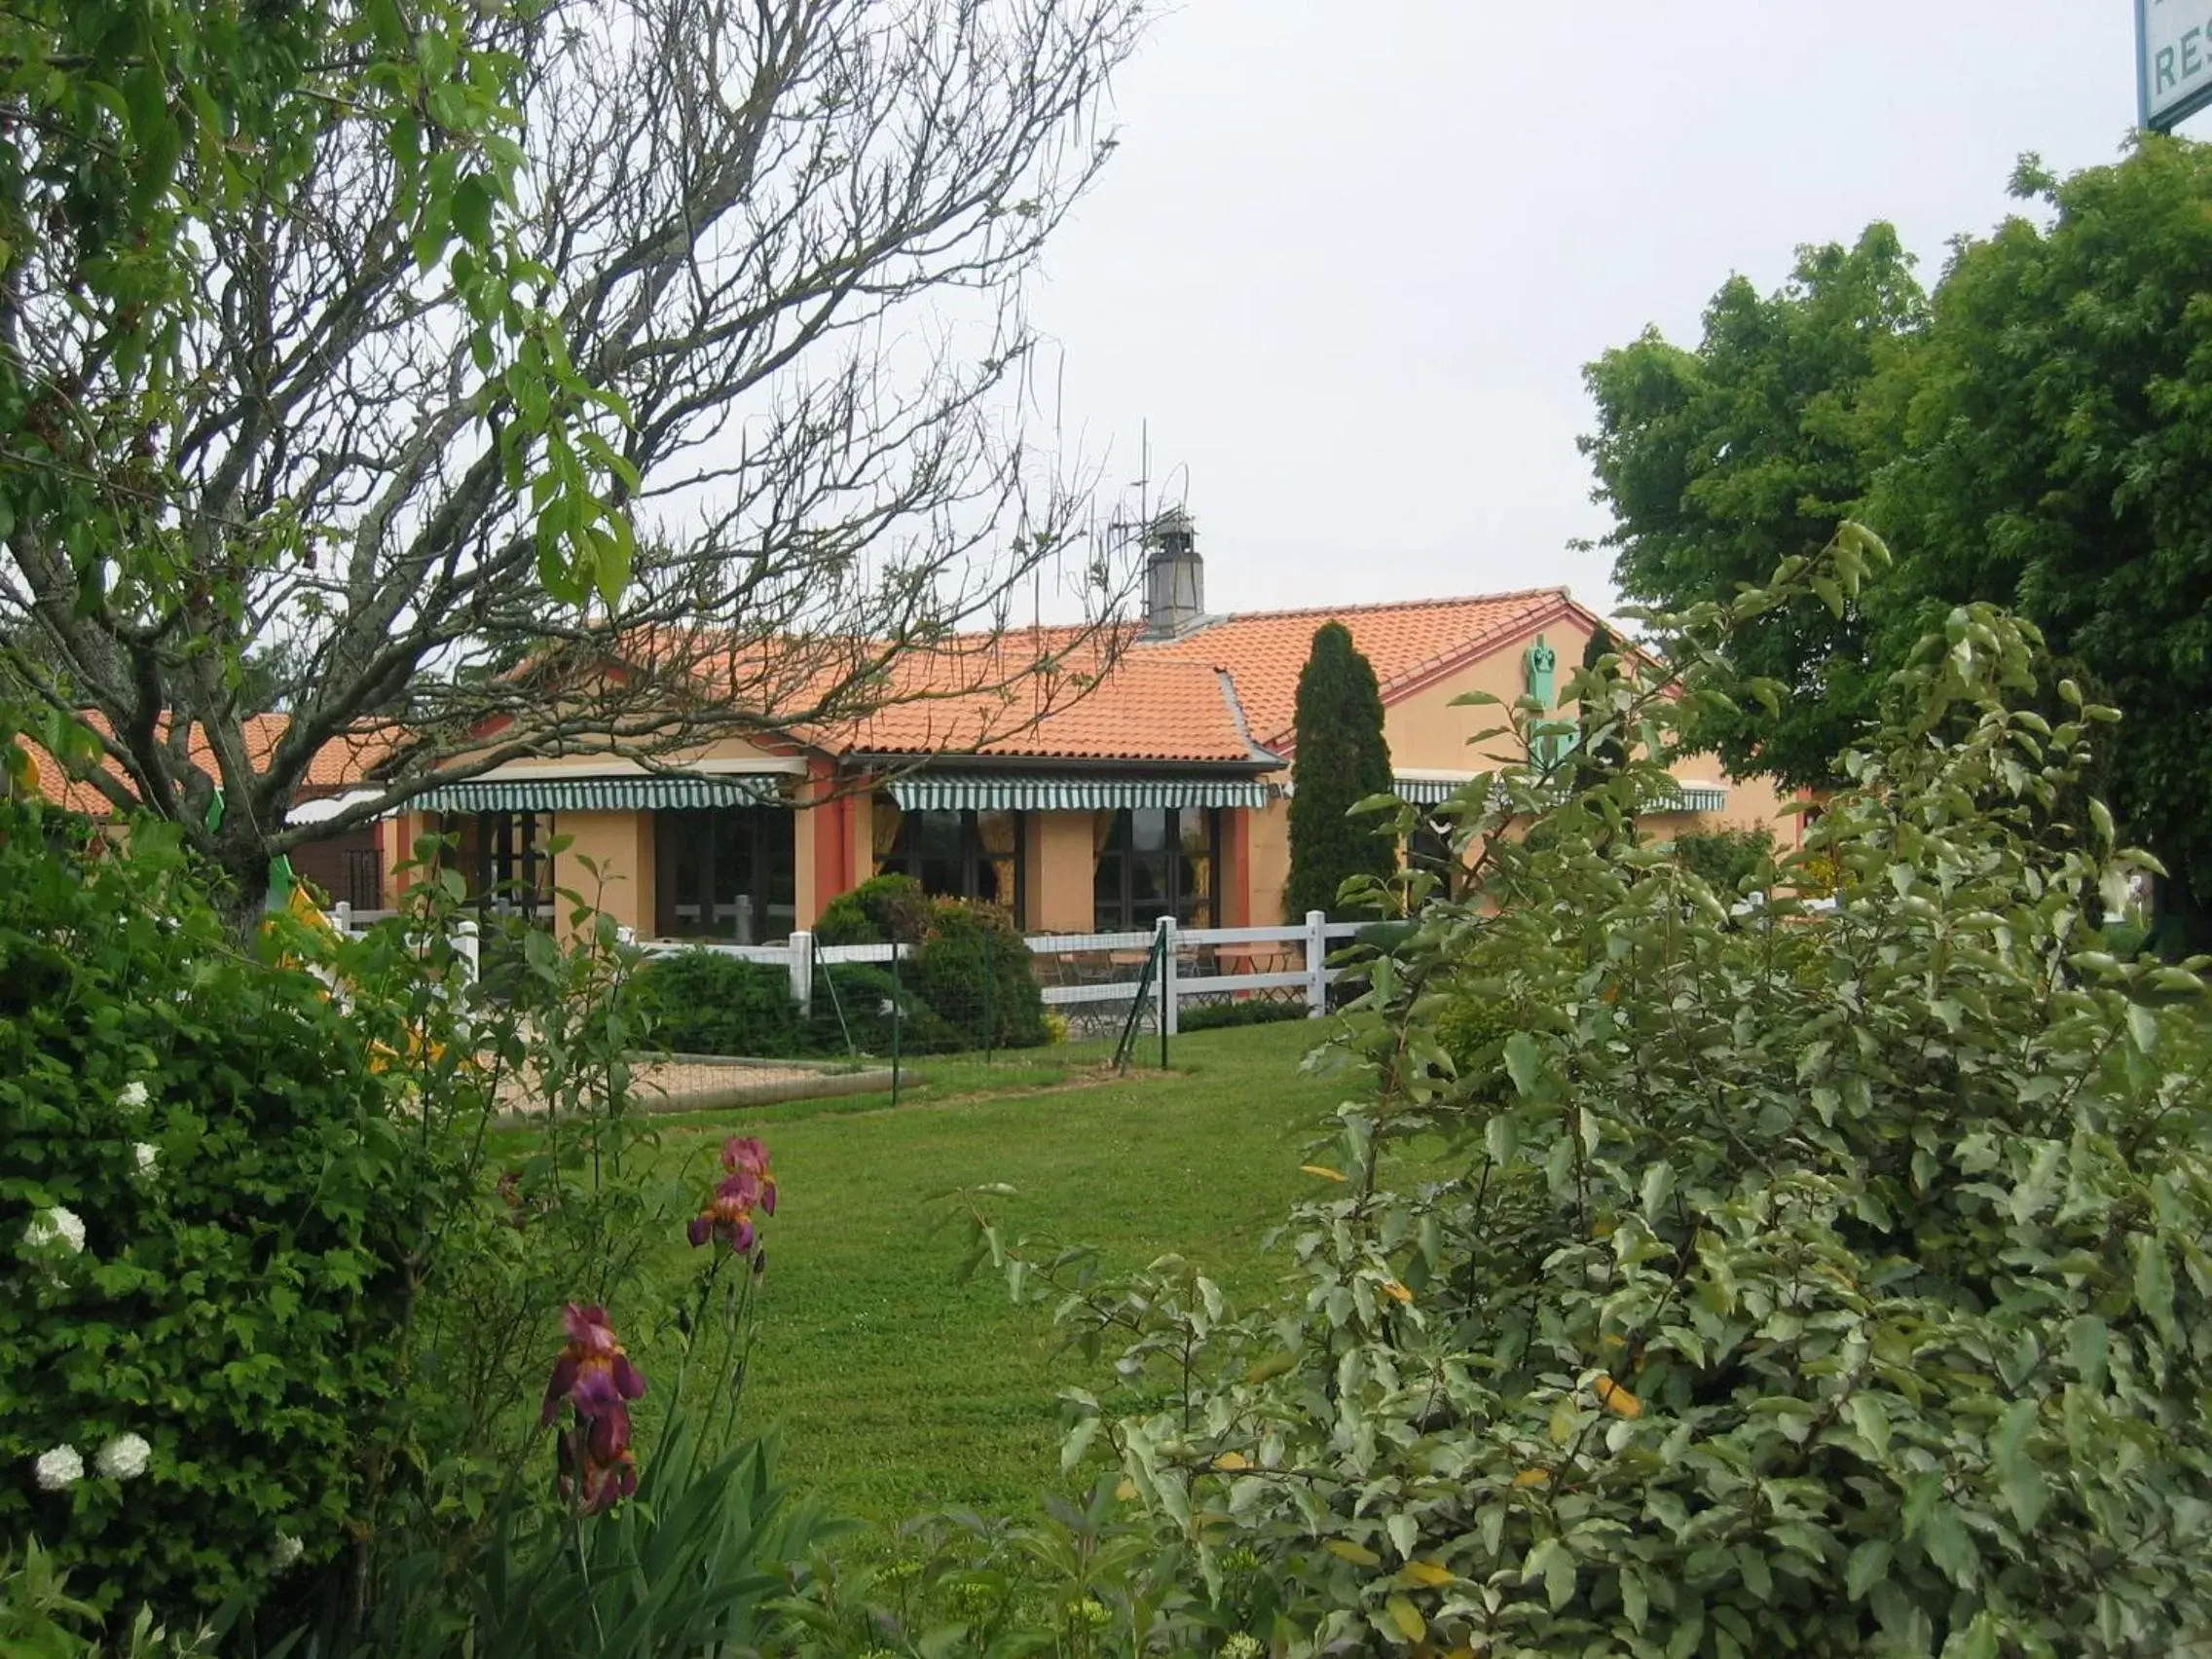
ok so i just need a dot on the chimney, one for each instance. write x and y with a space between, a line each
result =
1175 577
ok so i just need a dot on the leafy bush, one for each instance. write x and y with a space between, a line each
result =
1225 1015
205 1195
968 984
878 911
701 1002
40 1619
1833 1285
1472 1026
975 972
1725 858
852 1003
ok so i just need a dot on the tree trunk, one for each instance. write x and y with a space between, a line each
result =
240 889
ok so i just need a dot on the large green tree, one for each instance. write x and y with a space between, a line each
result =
2057 457
2036 432
1340 759
1721 462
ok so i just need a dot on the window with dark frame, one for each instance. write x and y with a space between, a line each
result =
729 874
512 865
1153 862
975 854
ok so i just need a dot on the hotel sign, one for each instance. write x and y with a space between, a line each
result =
2174 48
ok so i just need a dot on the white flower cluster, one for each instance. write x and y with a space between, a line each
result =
147 1154
59 1469
286 1551
133 1097
123 1459
57 1226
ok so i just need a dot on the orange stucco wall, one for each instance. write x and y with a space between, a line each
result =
1267 844
1426 733
1060 871
620 845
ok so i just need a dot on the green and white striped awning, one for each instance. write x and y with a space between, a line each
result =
1428 791
598 795
984 792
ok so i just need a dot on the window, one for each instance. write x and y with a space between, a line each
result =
1430 848
1152 862
729 874
505 855
953 855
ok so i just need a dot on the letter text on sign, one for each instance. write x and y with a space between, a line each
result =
2174 62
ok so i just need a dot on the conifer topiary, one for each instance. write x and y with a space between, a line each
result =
1342 758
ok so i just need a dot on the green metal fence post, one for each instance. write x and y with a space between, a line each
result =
898 1020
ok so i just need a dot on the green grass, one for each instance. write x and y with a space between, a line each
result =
898 1391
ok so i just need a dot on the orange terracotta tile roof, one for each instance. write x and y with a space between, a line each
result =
1142 707
1264 651
1163 700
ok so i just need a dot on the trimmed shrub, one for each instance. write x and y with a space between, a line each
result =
975 971
879 910
700 1002
861 993
1226 1016
1342 758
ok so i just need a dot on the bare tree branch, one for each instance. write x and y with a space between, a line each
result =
787 238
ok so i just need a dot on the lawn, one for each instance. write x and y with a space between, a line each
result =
898 1391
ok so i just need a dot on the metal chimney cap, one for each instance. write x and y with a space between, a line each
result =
1172 522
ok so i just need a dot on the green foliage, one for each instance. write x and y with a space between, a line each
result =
701 1002
39 1619
246 1188
2033 434
1342 759
852 1013
1229 1014
881 909
1719 463
974 971
1834 1283
150 134
692 1566
1471 1026
2054 459
969 983
1056 1586
1725 858
302 1283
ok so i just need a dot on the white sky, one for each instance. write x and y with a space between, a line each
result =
1352 254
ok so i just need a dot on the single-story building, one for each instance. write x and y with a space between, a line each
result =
1160 790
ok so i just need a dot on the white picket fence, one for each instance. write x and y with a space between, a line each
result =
467 946
1076 971
1109 966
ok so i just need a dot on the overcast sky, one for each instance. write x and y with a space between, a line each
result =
1352 254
